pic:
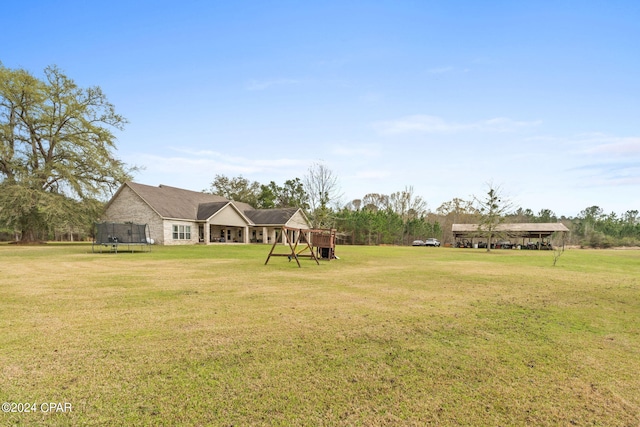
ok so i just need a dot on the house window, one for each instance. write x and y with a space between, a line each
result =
182 232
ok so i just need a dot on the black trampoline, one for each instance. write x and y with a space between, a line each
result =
114 237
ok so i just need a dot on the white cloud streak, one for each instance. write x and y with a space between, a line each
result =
618 147
440 70
258 85
372 174
421 123
360 150
205 163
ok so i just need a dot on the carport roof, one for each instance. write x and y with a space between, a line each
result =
526 229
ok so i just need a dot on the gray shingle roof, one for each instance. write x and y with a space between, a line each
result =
243 207
271 216
206 210
172 202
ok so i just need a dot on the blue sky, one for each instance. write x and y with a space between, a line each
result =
541 98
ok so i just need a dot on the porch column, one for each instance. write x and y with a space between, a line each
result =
207 233
265 234
245 237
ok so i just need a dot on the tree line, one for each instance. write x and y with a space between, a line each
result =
58 166
401 217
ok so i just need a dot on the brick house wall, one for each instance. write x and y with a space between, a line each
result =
129 207
168 232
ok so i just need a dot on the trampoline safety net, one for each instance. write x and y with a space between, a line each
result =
118 236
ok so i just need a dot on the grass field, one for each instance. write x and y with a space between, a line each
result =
209 335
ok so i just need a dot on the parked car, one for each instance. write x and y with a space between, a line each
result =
503 244
432 242
417 243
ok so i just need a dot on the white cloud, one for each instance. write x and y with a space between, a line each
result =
372 174
185 164
422 123
592 144
504 124
254 85
210 155
433 124
192 165
618 147
360 150
440 70
416 123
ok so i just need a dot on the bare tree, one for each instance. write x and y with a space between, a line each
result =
492 209
558 250
354 205
321 185
375 201
408 207
455 211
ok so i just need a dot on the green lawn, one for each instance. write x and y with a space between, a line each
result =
209 335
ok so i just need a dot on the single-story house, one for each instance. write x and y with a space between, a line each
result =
177 216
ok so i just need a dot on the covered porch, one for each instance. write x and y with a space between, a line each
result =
225 233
